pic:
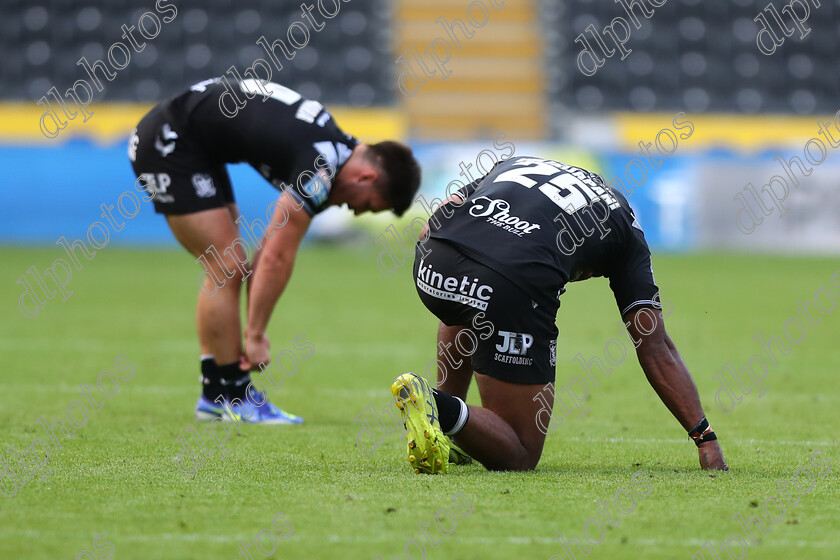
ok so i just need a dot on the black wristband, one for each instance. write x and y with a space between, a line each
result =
699 427
702 432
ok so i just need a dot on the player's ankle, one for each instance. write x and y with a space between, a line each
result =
234 381
453 413
211 385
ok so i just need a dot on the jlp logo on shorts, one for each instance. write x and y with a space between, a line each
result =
515 346
485 206
156 184
462 290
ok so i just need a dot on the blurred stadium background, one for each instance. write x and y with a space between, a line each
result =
516 76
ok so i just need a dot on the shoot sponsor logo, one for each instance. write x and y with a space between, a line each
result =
462 290
497 213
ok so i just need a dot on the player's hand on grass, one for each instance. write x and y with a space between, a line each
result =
711 457
257 351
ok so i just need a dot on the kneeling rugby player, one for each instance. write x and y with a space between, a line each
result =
498 256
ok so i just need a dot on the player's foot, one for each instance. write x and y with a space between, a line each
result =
207 410
428 446
457 456
263 413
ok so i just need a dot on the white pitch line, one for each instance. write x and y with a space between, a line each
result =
395 538
673 440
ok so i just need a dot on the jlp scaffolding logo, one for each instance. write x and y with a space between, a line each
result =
514 348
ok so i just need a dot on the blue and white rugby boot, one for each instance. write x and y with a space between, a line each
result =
207 410
256 409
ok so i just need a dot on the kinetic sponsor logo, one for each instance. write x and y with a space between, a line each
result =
514 348
484 206
447 287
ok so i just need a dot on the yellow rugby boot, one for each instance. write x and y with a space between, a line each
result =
428 446
458 456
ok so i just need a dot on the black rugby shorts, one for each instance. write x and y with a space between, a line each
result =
173 168
512 337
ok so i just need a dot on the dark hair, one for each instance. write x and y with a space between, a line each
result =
402 173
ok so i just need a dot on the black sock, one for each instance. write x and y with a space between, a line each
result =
211 379
234 381
452 412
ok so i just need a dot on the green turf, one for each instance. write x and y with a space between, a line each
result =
118 476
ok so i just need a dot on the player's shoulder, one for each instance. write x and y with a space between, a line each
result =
530 171
305 122
308 120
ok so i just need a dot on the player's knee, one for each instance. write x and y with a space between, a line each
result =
228 275
239 272
531 459
530 465
526 460
527 463
237 258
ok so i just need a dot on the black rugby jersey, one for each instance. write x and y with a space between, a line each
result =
290 140
544 224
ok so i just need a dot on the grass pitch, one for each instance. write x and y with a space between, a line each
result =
117 475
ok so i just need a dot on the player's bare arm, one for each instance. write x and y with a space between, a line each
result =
271 275
669 377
